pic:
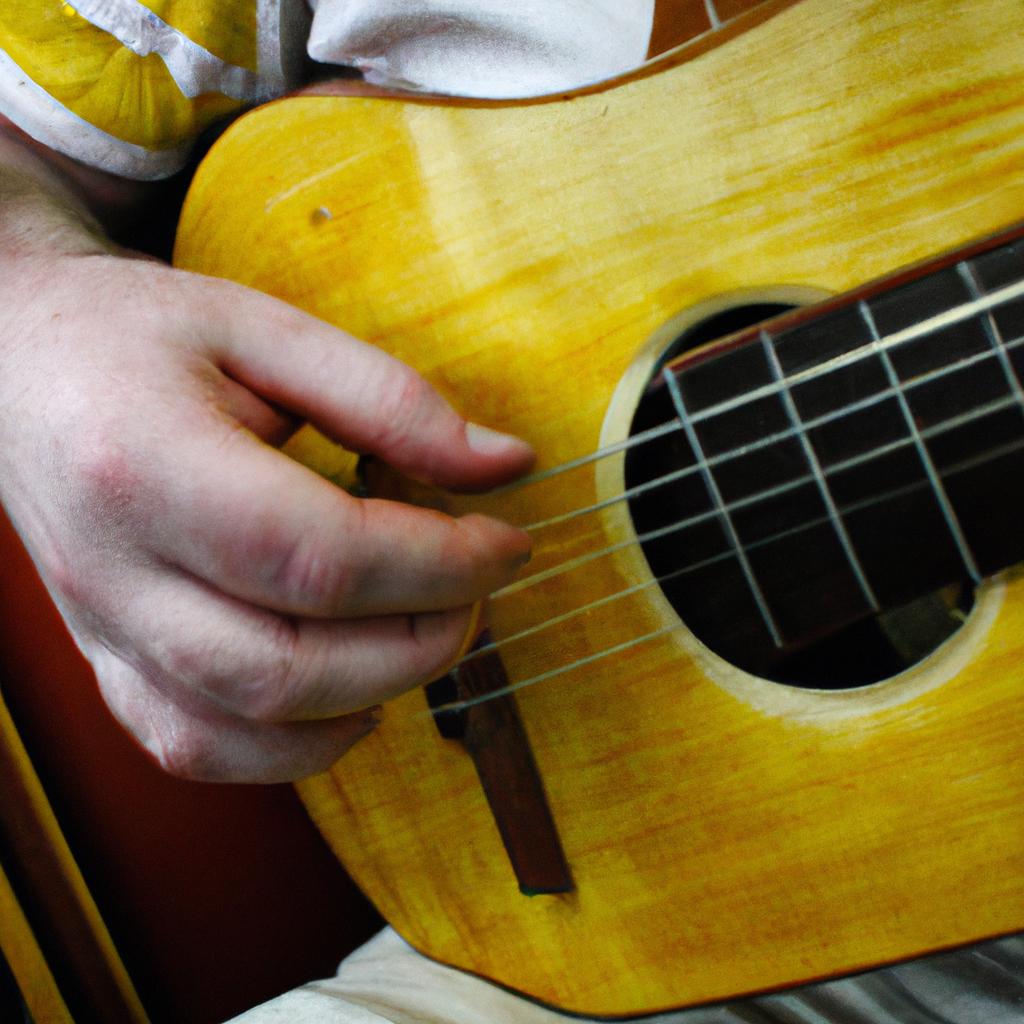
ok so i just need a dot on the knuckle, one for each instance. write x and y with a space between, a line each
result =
184 752
107 483
275 690
309 575
401 404
185 662
94 515
265 682
178 744
70 578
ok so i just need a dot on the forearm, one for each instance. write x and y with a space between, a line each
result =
51 204
41 210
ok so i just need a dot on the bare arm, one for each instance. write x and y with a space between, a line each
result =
238 610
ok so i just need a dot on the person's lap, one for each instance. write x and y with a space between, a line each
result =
387 982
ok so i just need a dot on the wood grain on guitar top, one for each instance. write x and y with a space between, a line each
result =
725 835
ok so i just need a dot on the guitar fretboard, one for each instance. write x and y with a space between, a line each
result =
678 21
845 460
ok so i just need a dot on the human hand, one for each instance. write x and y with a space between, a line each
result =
238 610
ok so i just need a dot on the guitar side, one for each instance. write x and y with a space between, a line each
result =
725 834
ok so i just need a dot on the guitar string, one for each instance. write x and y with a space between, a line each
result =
929 325
770 439
979 412
921 379
994 335
777 491
989 455
463 705
824 488
938 488
923 328
725 515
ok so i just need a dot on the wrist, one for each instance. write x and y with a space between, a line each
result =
109 198
41 211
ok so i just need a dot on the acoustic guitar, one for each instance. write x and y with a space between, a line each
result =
753 715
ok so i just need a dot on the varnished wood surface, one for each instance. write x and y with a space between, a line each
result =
75 934
726 835
34 978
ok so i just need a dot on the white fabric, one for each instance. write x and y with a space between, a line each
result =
282 28
38 114
483 48
195 70
386 982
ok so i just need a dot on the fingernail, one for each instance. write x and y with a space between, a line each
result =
485 441
473 630
366 720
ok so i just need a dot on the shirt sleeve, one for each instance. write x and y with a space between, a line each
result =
126 85
483 48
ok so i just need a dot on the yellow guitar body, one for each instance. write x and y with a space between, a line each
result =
725 834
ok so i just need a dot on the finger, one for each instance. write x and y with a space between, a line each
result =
358 395
211 745
188 641
269 424
265 529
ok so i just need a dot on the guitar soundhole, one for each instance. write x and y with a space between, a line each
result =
707 586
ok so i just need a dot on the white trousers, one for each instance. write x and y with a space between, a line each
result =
386 982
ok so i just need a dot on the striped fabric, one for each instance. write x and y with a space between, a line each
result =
126 85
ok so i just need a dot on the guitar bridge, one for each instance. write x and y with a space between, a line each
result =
494 737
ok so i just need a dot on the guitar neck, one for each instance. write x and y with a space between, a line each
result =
677 22
871 448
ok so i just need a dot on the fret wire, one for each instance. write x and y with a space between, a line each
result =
1008 448
962 419
716 496
992 332
926 460
716 21
783 435
819 477
921 329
